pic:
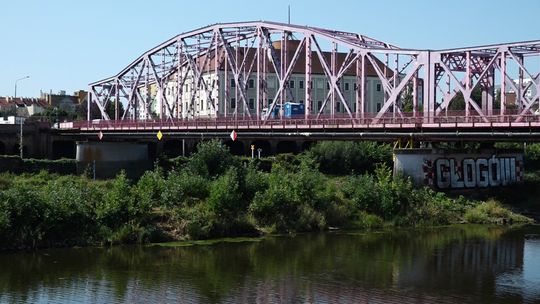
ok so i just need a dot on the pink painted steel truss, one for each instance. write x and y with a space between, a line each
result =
223 72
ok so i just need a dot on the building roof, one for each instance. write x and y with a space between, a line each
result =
22 101
299 67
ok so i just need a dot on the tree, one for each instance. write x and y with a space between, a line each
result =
110 109
458 102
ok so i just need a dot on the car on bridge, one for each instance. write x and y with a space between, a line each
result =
291 110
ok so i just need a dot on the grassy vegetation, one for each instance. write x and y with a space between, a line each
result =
213 194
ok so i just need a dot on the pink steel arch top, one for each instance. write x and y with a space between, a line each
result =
484 82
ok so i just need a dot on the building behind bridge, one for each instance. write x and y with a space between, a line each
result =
228 96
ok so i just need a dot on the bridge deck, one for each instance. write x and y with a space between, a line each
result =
452 128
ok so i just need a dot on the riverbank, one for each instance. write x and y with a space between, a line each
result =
213 194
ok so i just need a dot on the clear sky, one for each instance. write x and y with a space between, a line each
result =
66 44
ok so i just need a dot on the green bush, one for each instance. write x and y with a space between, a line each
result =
23 217
118 206
364 220
212 159
200 221
532 156
183 187
69 212
345 157
493 212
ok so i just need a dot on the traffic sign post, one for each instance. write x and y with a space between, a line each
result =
252 151
233 135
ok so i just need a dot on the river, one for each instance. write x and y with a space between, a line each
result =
456 264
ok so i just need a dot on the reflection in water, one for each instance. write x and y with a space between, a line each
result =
463 264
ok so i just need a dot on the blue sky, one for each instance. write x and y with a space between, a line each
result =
66 44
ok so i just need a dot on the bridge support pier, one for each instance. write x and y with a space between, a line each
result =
107 159
454 170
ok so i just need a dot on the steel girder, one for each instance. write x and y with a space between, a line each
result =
416 83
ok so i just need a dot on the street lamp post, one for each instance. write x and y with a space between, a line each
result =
20 118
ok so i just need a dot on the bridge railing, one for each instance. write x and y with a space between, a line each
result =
407 120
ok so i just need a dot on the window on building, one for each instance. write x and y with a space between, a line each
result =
378 107
301 84
233 83
291 84
233 103
301 101
338 107
251 103
319 104
378 87
270 101
346 86
328 85
355 86
251 83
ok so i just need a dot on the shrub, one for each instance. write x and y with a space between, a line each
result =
212 159
149 188
532 156
364 220
69 213
22 217
118 206
345 157
225 198
200 221
184 187
493 212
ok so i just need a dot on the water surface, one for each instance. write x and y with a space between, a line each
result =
458 264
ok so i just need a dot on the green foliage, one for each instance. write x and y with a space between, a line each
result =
14 164
118 205
213 194
150 187
200 221
182 188
212 159
225 198
492 212
364 220
532 156
342 157
23 217
70 204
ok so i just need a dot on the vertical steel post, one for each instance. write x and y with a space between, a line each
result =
395 81
363 87
519 93
215 82
116 99
468 80
503 83
265 51
332 80
415 95
308 80
88 104
237 76
226 84
258 92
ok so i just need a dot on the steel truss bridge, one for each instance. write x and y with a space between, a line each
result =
419 86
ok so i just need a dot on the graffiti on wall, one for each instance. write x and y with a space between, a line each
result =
449 173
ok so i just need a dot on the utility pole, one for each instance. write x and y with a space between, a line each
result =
20 118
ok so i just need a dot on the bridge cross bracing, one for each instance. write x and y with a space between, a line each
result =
245 72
